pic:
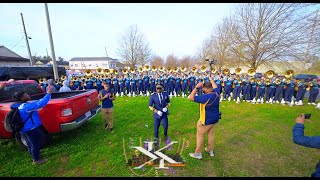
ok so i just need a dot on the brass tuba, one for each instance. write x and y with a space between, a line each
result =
99 71
161 68
194 69
310 84
288 74
183 68
238 71
41 80
116 72
203 69
214 70
154 68
226 71
169 69
147 68
106 71
270 73
132 70
63 77
251 72
140 69
88 72
125 71
175 69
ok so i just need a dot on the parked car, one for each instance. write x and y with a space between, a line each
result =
65 111
306 77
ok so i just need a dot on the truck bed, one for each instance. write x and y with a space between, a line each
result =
59 95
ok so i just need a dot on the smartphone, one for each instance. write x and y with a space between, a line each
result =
307 116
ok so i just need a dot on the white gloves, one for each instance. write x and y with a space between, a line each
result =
159 113
165 109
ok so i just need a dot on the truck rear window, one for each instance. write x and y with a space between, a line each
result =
6 93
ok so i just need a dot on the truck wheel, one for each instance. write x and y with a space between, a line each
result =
21 140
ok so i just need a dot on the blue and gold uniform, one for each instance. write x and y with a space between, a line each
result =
178 85
159 101
301 90
237 89
185 85
191 82
140 85
279 91
314 91
253 90
289 91
246 89
115 83
133 82
261 90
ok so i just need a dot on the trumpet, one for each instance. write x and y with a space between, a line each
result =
251 72
41 80
238 71
278 81
154 68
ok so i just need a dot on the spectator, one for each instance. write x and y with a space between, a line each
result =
32 129
306 141
50 83
65 87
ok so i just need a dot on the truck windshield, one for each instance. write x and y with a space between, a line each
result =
6 93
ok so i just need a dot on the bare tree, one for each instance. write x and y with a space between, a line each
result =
186 61
133 48
157 61
268 31
205 51
171 61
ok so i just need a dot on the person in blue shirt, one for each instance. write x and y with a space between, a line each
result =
152 84
32 129
171 85
253 90
115 83
314 91
122 85
166 83
299 138
57 85
209 115
98 85
185 85
50 83
246 89
146 84
227 87
89 84
199 80
192 80
107 97
127 84
269 92
237 89
159 103
301 92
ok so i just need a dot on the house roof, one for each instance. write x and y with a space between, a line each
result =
93 59
8 55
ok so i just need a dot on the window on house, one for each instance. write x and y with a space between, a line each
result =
75 65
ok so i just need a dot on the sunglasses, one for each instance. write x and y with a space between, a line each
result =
159 88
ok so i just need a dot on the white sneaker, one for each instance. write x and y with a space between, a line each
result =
314 104
195 155
277 102
211 153
229 98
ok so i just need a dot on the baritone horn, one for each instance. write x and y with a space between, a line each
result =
288 74
251 72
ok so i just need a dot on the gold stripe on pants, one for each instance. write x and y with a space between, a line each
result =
107 116
201 130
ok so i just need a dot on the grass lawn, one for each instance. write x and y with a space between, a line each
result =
250 140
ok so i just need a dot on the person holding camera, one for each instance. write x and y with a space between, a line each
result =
209 115
306 141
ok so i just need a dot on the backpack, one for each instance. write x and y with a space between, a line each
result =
13 121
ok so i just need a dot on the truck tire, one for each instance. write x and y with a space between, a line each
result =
21 140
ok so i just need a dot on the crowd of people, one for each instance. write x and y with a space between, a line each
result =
232 87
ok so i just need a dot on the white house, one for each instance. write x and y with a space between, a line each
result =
92 63
9 58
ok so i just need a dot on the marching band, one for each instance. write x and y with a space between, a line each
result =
180 82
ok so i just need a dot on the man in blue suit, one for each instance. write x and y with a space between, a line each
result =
159 104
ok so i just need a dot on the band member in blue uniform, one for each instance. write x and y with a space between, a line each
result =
253 90
185 85
166 83
133 82
217 80
178 85
89 84
140 85
301 91
261 91
289 91
192 80
145 84
199 80
159 104
122 85
116 87
227 87
108 80
279 90
314 91
269 92
246 89
171 84
57 86
152 84
127 83
237 89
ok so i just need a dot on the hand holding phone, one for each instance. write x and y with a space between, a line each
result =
307 116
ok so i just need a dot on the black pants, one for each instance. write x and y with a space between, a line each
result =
34 138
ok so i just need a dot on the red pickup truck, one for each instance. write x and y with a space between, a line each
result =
65 111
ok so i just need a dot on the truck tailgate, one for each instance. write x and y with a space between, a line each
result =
82 103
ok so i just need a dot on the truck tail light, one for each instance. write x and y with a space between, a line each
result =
66 110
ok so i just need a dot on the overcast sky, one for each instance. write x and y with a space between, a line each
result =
83 30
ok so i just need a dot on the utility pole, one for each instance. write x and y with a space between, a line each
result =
26 36
307 59
105 48
54 63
